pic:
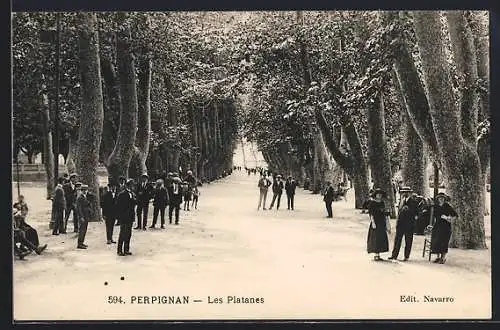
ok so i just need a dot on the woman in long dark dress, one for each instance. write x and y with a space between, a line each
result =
444 214
378 241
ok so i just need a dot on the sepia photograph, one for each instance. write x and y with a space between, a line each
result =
244 165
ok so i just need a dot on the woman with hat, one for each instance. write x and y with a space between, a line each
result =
444 215
378 241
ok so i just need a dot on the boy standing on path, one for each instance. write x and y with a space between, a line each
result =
263 186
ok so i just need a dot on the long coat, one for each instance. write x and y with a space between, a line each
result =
108 204
378 241
175 199
290 187
441 231
125 206
161 197
59 199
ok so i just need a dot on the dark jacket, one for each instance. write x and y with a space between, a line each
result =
144 193
83 207
108 204
278 187
59 200
407 212
160 197
290 187
69 193
175 199
329 193
125 206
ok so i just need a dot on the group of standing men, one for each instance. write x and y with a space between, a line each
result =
71 196
121 204
277 187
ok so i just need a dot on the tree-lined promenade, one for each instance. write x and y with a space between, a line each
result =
327 96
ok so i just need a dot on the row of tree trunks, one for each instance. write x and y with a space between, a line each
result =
455 139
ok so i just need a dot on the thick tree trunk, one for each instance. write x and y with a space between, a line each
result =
119 159
378 151
47 147
359 166
414 151
112 110
479 22
72 154
460 160
91 120
141 151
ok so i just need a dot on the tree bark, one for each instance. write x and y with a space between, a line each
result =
141 150
112 110
119 159
461 167
91 120
378 151
47 146
72 154
414 151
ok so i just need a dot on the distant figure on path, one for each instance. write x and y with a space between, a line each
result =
125 205
160 202
84 214
290 186
263 186
188 194
444 215
196 195
58 208
175 196
378 241
328 196
144 193
277 192
407 216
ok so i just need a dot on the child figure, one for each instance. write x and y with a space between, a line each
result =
196 194
188 192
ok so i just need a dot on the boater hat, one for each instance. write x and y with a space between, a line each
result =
406 189
73 175
379 191
84 187
144 176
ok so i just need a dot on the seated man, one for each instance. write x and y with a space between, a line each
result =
26 246
30 233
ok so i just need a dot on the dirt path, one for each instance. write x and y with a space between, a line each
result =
301 264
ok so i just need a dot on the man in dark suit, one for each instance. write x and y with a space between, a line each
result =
108 206
58 207
125 204
328 198
84 214
175 194
160 202
407 215
290 186
277 191
144 193
70 194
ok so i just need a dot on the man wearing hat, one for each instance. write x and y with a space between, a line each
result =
277 191
328 198
407 216
290 186
144 194
175 195
125 203
108 206
70 194
84 213
58 208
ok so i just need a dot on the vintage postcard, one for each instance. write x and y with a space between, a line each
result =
223 165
